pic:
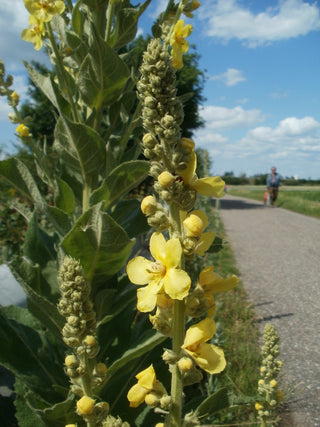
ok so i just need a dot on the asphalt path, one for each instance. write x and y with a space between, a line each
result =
277 253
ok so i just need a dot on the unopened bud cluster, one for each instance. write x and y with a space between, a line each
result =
75 305
162 115
269 395
111 421
93 413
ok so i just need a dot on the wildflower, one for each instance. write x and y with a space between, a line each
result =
35 34
212 282
208 357
44 10
211 186
258 406
23 130
163 273
147 383
85 405
179 43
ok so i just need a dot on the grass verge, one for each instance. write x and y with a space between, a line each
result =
304 200
239 339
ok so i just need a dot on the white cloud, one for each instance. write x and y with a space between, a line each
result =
231 77
219 118
228 19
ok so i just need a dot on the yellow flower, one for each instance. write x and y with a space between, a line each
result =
194 225
273 383
258 406
179 43
35 33
165 179
212 282
147 383
164 273
212 186
23 130
85 405
148 205
44 10
209 357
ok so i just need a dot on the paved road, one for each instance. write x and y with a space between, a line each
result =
278 253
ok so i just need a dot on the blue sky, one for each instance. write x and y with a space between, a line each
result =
262 65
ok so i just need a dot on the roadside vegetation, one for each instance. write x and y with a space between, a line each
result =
300 199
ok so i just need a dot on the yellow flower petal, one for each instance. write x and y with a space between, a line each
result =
173 253
210 358
147 378
204 243
136 395
138 270
147 296
212 186
176 283
188 173
199 333
157 246
211 281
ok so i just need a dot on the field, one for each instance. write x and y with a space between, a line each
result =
301 199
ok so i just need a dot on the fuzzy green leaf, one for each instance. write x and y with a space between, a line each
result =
99 243
80 147
214 403
143 347
40 294
102 75
216 245
24 351
64 198
45 84
126 25
128 214
120 181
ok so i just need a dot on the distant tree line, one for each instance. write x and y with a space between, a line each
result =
260 179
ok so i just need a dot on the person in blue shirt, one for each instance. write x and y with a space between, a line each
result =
273 185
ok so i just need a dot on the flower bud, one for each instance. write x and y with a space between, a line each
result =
71 361
165 402
149 205
258 406
15 98
90 341
149 141
193 226
165 179
13 118
152 399
185 364
85 405
100 369
273 383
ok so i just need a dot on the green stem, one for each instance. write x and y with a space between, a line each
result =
62 71
174 418
86 193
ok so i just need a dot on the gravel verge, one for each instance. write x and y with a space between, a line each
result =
277 254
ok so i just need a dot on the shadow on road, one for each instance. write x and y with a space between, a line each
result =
275 316
238 204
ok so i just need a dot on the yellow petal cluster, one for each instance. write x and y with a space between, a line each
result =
44 10
179 43
35 34
208 357
147 383
23 130
163 274
212 186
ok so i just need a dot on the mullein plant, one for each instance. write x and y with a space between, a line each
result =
182 309
78 362
269 394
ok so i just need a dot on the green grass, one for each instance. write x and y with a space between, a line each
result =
304 199
239 339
